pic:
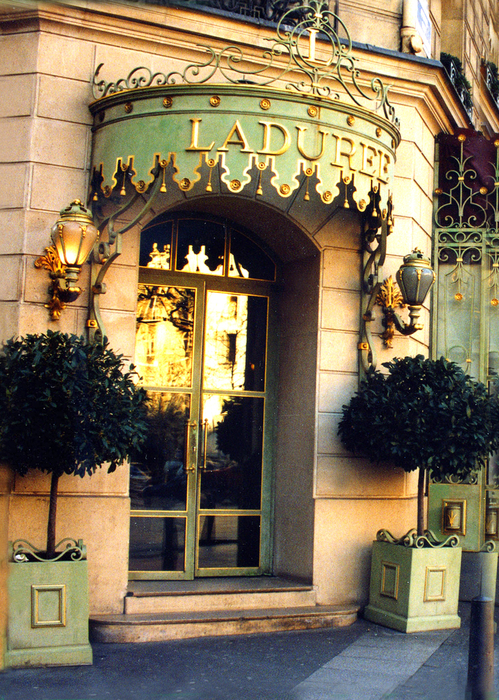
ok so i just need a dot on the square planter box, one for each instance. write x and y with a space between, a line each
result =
414 590
48 614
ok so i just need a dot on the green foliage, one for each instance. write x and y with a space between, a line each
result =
67 406
460 81
494 83
422 414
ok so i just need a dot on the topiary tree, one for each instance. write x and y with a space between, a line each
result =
424 414
66 407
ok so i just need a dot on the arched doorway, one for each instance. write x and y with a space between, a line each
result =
201 487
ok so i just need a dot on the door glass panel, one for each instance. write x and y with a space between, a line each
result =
158 480
247 259
231 472
227 541
200 247
157 544
235 344
156 246
164 335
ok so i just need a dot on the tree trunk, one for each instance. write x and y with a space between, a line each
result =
421 483
52 516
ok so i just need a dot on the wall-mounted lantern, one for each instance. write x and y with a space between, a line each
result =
415 278
73 235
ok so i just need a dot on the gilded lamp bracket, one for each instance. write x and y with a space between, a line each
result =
108 251
73 238
415 278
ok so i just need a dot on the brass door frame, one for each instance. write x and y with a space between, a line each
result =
193 513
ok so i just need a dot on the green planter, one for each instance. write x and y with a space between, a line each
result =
414 583
48 608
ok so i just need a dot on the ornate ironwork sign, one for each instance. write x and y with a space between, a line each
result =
298 122
467 250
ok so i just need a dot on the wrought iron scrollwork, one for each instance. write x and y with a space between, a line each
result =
307 42
411 539
467 241
72 550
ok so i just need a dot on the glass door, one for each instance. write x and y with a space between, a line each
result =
164 474
200 487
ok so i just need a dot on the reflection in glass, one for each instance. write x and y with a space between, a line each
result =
164 335
200 247
235 342
229 541
248 260
157 544
155 246
231 476
157 476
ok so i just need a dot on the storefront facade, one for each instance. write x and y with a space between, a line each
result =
240 181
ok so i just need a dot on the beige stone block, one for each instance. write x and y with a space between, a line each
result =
66 57
405 162
427 145
102 524
351 476
341 269
411 123
38 225
342 230
18 53
407 198
426 217
13 181
344 531
37 282
300 376
328 440
340 310
100 483
35 318
17 95
55 187
12 228
60 143
129 247
10 277
338 351
407 235
335 390
9 320
64 99
423 173
120 330
121 289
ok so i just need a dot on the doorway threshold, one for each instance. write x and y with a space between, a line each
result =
210 586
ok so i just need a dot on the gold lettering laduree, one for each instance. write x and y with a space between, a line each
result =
342 151
195 138
267 136
299 144
236 137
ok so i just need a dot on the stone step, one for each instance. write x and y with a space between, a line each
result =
156 627
140 603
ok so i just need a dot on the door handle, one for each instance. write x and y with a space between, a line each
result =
190 453
204 427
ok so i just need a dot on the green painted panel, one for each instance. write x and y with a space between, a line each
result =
238 134
414 590
465 503
48 614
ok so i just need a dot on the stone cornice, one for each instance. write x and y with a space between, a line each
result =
174 33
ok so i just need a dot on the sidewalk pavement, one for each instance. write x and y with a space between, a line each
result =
361 662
